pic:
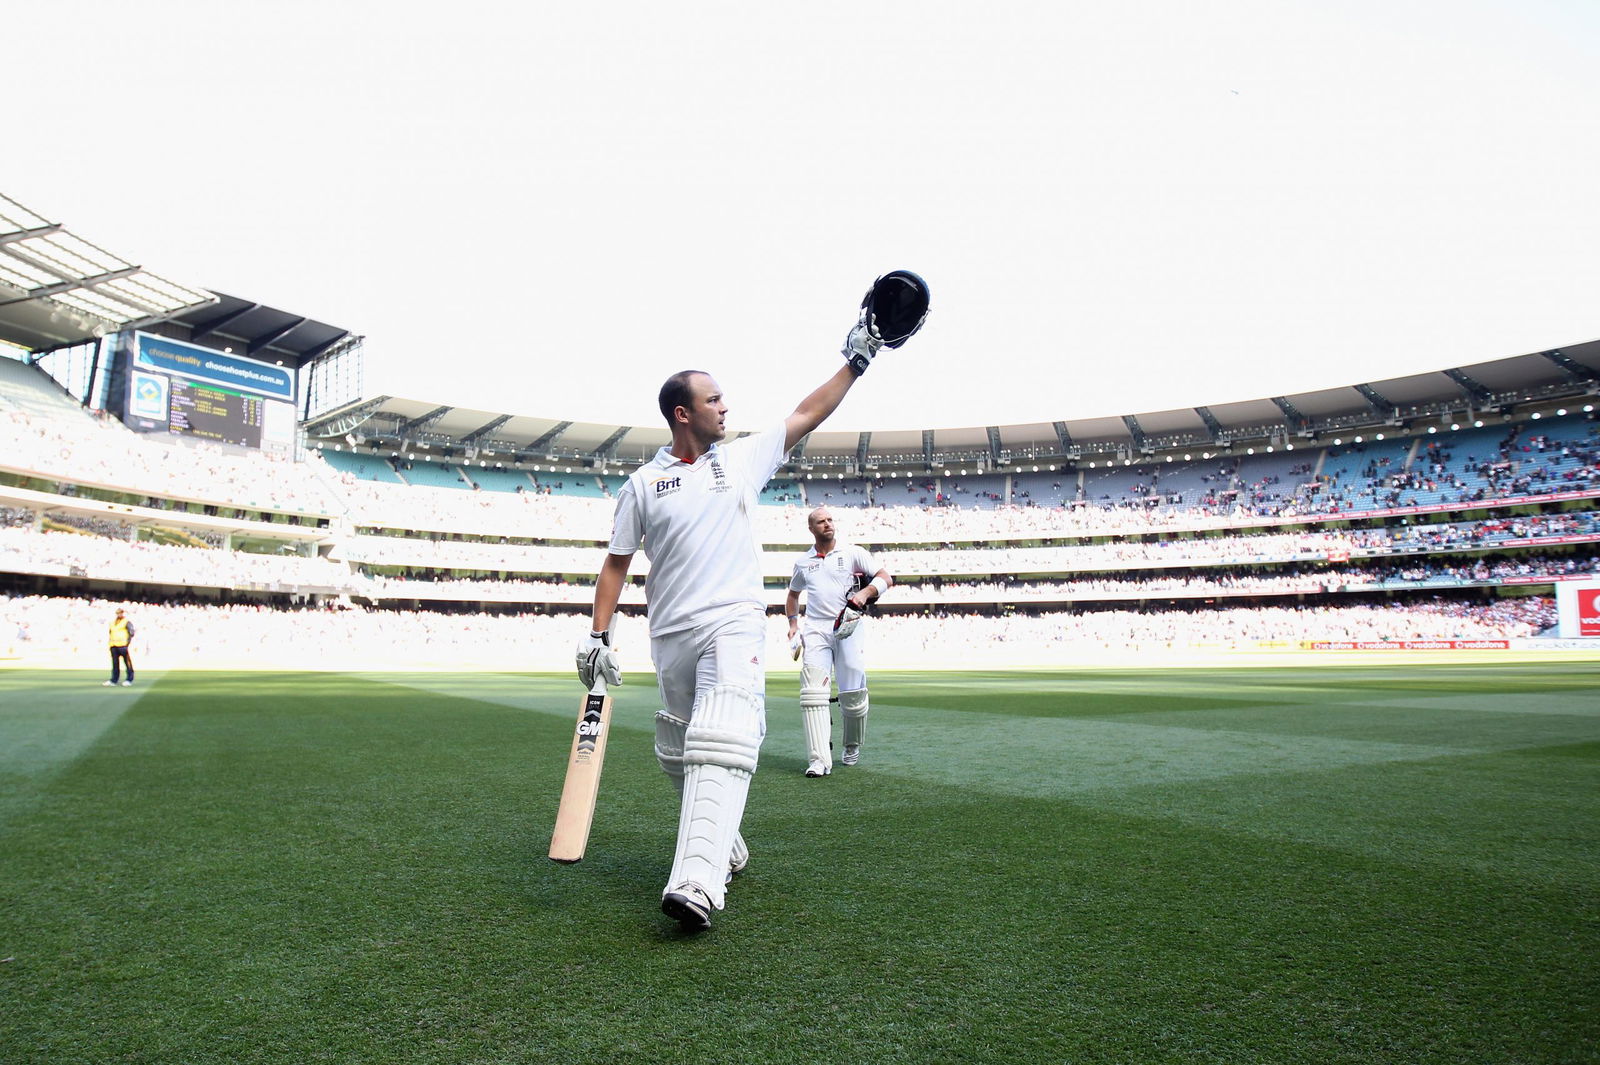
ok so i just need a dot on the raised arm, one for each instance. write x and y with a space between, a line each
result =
894 308
816 407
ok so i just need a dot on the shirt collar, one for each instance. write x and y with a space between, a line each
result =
666 459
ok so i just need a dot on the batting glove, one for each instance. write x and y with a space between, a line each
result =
595 657
862 343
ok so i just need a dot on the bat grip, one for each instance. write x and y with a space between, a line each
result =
599 685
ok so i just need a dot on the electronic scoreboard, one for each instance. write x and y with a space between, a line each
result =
191 391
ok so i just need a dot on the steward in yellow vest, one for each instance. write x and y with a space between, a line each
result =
121 644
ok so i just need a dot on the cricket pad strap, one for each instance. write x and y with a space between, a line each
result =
669 745
727 729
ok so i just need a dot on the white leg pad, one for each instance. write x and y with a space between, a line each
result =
721 747
853 709
817 724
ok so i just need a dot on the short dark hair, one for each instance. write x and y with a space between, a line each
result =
675 393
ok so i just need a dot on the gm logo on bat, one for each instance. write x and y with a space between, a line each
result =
589 726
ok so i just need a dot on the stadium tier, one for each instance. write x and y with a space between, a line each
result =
222 456
1461 537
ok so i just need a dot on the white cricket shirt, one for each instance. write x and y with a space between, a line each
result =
827 581
695 523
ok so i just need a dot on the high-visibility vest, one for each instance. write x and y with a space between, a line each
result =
120 636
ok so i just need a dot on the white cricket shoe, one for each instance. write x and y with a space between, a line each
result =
690 906
108 684
818 769
127 684
852 754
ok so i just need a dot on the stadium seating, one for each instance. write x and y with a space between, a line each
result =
1044 489
496 480
579 485
472 540
780 493
365 467
435 474
31 391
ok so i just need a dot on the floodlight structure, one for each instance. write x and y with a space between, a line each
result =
57 289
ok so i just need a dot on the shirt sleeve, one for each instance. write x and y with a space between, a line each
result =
759 456
797 579
627 532
865 563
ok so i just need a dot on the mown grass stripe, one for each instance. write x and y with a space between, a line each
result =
314 867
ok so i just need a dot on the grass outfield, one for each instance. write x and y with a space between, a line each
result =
1385 864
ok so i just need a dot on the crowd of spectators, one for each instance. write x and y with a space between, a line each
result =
393 542
71 632
102 453
96 452
142 561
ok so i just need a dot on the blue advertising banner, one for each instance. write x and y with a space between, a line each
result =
203 364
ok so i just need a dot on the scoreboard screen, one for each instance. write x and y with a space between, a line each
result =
212 412
174 387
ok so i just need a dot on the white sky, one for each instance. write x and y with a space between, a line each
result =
546 208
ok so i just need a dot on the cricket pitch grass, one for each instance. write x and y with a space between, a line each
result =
1346 864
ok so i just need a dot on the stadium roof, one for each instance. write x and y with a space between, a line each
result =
57 289
447 433
258 331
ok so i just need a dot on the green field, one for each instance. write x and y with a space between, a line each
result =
1394 864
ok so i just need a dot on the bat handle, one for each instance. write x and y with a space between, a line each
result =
599 685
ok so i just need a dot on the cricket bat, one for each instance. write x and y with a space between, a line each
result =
578 794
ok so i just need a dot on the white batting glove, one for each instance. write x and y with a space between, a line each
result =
796 645
595 656
862 343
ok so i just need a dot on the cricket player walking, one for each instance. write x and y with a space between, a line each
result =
835 580
690 509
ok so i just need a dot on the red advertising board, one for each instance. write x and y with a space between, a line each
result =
1414 645
1589 611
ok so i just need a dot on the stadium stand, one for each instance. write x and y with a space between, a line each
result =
1045 489
362 467
495 480
776 493
421 472
1263 534
578 485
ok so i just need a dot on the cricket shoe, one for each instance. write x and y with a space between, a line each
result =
108 684
852 754
818 769
690 906
127 684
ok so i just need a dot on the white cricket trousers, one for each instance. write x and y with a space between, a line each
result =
729 648
844 660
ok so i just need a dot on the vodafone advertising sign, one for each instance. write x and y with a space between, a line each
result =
1579 607
1589 611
